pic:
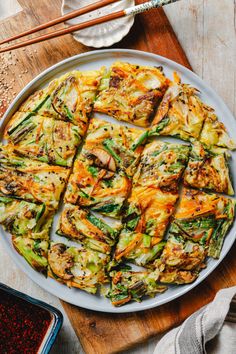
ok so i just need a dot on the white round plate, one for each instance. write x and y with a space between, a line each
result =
90 61
105 34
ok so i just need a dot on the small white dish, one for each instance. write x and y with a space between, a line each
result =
103 35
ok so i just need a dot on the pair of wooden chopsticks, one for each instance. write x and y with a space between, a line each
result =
115 15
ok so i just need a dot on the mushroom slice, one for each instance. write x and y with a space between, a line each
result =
105 160
60 261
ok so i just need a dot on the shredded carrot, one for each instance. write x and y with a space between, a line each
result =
130 247
123 137
121 302
117 278
38 131
176 77
93 229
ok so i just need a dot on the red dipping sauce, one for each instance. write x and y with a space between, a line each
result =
23 325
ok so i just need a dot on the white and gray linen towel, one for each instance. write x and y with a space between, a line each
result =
209 330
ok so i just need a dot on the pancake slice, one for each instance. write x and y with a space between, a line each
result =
204 218
30 180
180 114
112 146
99 189
161 165
34 251
43 139
69 97
208 170
149 211
138 248
146 221
129 286
181 261
214 133
80 225
21 218
77 267
131 92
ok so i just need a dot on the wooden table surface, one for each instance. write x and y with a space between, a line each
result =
207 32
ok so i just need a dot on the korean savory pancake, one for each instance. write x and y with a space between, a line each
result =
129 286
204 218
31 180
180 114
83 226
162 165
214 133
137 247
208 169
131 92
112 146
42 138
81 268
149 211
69 97
34 251
102 190
21 218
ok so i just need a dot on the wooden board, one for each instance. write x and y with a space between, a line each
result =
103 333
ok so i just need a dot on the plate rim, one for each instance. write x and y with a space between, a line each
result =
14 106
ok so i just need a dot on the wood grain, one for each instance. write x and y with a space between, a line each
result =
26 63
108 333
104 333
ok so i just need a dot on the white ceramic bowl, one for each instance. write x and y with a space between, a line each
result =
103 35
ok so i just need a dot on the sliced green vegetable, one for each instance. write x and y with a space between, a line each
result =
108 144
107 208
141 140
155 130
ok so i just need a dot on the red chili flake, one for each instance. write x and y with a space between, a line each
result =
22 325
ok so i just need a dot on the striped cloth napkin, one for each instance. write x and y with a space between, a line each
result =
207 331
